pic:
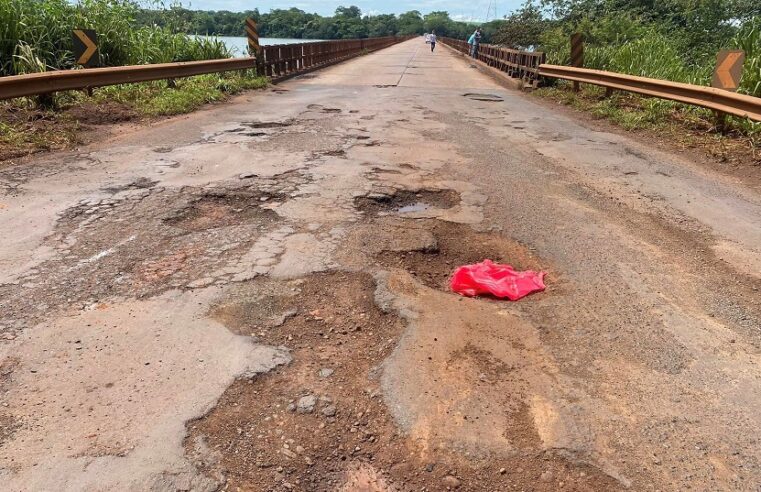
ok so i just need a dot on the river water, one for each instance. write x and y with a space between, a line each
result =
239 44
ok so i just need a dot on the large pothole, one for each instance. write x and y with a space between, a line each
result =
225 208
406 201
311 425
456 245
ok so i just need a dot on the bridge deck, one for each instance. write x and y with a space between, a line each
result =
318 222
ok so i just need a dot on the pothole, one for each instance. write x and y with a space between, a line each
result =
323 109
381 170
457 245
476 96
321 422
263 304
267 124
223 209
141 183
405 201
332 153
327 320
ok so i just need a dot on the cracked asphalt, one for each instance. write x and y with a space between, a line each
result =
254 297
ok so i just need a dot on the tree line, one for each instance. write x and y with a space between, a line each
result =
346 23
667 39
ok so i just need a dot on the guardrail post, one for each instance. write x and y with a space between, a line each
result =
577 54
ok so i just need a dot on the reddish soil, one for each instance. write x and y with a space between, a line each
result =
259 438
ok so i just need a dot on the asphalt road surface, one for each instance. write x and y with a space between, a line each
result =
254 297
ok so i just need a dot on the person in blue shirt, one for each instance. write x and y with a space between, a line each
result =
474 41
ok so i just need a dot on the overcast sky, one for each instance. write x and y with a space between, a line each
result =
460 10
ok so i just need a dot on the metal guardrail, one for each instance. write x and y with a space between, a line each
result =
276 61
518 64
64 80
740 105
531 67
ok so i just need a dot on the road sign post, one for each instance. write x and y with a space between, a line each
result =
85 47
577 54
726 76
252 33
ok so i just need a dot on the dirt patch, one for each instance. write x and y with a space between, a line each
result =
8 426
102 113
405 201
458 244
159 269
222 209
321 423
31 130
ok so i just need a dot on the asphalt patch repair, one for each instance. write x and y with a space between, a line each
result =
321 423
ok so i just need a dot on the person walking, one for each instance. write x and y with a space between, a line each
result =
432 38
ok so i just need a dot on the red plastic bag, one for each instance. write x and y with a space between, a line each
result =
501 281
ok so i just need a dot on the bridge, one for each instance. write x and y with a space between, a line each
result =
256 297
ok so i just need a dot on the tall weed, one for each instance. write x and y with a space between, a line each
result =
46 26
748 39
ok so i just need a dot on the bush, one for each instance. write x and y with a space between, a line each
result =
41 29
748 39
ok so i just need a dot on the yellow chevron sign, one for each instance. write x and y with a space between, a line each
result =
253 35
729 67
85 47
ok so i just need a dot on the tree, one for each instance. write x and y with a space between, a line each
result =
522 29
410 23
352 12
381 25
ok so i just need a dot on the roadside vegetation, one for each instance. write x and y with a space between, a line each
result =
346 23
669 39
35 36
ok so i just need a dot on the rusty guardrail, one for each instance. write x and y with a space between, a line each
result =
275 61
518 64
285 59
719 100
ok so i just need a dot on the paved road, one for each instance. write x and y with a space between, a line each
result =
255 296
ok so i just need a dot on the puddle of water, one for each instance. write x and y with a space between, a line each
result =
415 207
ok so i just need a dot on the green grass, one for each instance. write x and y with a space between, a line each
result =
41 30
158 99
626 46
25 128
636 113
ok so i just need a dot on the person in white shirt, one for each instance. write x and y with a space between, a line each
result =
432 39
